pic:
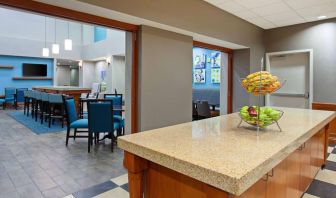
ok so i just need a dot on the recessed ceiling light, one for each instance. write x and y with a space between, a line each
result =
321 17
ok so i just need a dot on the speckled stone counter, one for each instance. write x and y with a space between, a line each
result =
216 152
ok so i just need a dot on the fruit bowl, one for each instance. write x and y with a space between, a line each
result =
266 117
261 83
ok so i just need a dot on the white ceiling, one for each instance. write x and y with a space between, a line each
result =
269 14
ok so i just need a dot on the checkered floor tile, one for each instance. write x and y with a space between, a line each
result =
323 186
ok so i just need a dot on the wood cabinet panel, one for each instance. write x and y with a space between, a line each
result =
258 190
305 168
276 183
293 175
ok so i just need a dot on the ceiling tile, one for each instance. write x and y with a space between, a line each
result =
298 4
272 8
261 22
276 13
247 15
289 22
231 7
254 4
317 10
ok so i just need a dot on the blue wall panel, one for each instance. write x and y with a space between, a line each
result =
205 60
6 75
100 34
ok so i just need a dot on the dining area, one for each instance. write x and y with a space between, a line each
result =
96 117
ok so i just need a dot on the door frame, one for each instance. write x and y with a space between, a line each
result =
311 69
55 11
230 68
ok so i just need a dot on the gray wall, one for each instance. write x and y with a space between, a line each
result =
165 78
241 68
319 36
63 77
200 17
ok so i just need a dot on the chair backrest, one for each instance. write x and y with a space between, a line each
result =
9 92
45 97
27 93
116 98
203 109
70 110
20 94
56 98
100 116
117 101
38 95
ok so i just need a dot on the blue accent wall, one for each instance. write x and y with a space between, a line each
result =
100 34
6 75
204 59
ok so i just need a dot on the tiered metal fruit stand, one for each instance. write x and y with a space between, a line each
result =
261 94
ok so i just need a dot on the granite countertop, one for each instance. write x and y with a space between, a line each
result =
62 88
218 153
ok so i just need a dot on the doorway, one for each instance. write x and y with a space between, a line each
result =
296 69
131 51
212 86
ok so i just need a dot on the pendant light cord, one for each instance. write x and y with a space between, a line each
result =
55 32
68 30
45 31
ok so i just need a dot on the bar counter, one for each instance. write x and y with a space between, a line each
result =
214 158
75 92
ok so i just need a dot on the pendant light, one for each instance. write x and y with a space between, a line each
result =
55 46
45 50
68 41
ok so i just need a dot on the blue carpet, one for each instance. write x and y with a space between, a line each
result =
36 127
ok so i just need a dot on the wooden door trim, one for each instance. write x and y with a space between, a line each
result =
331 129
55 11
230 68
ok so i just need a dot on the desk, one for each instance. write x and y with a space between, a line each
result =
213 158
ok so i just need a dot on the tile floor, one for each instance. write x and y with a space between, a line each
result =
323 186
41 166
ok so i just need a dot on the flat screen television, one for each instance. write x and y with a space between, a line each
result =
35 70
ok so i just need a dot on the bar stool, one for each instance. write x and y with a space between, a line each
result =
56 108
44 106
33 101
26 102
38 104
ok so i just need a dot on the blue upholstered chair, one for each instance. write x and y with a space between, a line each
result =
72 120
117 115
9 97
2 102
19 98
101 120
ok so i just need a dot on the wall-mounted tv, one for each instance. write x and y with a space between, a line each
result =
29 69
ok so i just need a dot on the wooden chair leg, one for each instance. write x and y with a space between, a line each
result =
89 142
67 137
75 133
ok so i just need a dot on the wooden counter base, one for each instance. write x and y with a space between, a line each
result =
153 180
290 178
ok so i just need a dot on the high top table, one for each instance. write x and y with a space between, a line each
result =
212 158
75 92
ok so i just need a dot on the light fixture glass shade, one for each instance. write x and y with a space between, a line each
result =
55 48
45 52
68 44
